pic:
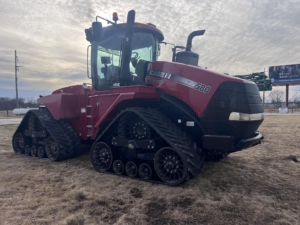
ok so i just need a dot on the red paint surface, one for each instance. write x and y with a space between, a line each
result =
195 99
62 105
71 102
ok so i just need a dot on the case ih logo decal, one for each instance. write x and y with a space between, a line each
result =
198 86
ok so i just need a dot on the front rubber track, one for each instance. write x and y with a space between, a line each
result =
175 138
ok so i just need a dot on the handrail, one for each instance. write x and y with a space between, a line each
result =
87 62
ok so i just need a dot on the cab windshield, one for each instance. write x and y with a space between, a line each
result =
109 54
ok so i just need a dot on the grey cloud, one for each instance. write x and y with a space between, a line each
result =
241 36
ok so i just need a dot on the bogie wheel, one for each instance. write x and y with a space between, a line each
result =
101 156
41 152
27 150
52 149
19 143
170 166
131 169
33 151
118 167
145 171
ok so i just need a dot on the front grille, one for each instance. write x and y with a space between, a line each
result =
232 97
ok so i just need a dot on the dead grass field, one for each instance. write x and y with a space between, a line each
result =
260 185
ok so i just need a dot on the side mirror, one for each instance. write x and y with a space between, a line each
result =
97 31
89 34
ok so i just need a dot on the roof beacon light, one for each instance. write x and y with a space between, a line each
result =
115 17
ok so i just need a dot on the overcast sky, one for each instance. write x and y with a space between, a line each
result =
241 36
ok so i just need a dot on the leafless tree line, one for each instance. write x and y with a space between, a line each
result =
277 97
11 103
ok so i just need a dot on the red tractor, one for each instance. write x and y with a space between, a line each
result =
146 119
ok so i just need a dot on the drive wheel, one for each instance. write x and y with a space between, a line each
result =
27 150
170 166
131 169
118 167
132 127
41 152
145 171
33 151
101 156
52 149
18 143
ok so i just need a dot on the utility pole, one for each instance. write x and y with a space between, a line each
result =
16 78
264 91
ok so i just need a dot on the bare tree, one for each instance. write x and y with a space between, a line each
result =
296 98
10 103
31 102
276 97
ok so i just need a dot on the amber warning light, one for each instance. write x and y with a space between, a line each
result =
115 17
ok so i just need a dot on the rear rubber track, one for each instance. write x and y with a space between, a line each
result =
65 137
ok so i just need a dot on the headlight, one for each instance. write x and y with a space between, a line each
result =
236 116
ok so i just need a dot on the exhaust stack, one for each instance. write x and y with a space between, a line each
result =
126 76
187 56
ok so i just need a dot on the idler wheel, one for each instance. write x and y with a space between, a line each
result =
41 152
145 171
170 166
33 151
19 143
101 156
131 169
118 167
27 150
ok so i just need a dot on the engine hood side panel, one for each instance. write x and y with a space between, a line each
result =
191 84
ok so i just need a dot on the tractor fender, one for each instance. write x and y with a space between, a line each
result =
62 105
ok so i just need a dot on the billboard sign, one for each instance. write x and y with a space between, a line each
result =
285 74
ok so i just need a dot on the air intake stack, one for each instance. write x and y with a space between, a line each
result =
187 56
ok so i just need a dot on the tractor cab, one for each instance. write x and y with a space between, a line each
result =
119 56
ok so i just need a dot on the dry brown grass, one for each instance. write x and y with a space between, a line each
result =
260 185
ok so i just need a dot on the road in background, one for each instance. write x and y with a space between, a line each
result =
282 114
10 121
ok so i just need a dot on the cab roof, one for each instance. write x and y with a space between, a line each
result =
138 27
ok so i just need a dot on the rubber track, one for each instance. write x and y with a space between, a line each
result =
171 134
66 139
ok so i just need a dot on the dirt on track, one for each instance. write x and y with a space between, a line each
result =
260 185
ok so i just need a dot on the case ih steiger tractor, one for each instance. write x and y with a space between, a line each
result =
146 119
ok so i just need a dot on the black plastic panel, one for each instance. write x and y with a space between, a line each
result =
232 97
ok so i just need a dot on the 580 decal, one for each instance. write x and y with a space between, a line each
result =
202 88
193 84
